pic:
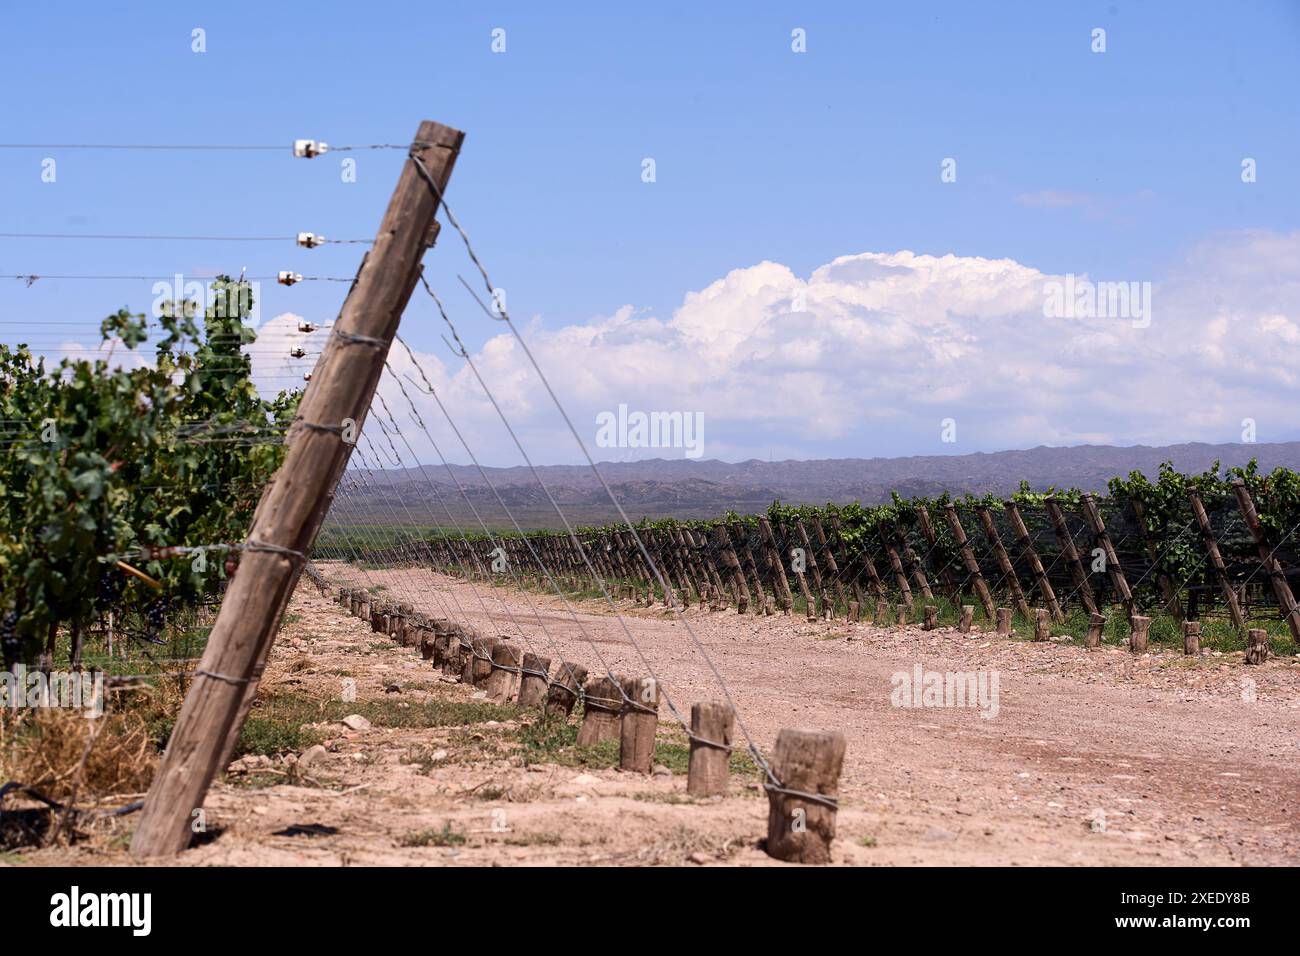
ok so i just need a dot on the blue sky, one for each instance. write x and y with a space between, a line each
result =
1117 165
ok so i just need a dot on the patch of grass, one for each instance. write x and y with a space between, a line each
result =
867 841
275 724
447 836
671 797
534 839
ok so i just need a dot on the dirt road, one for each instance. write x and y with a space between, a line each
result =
1072 757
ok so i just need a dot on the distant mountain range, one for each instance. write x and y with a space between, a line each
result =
699 489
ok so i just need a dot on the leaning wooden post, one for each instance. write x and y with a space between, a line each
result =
1113 568
294 502
712 724
968 559
1026 544
563 692
832 566
1082 586
1004 561
1267 560
896 563
640 720
802 804
732 563
780 584
932 541
1216 559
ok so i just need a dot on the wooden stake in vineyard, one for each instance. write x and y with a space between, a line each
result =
294 503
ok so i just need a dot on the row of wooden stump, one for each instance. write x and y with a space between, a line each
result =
804 769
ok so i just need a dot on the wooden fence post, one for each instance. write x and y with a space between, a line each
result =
1192 637
967 618
799 829
780 583
1004 562
712 724
932 541
1004 620
293 505
1082 586
500 683
1137 640
563 692
640 718
1216 559
1096 625
1026 544
968 560
832 566
602 710
1271 565
1113 567
1256 646
533 680
1042 624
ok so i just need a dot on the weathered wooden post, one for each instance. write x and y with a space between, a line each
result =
637 726
1137 639
1268 560
1216 559
293 505
533 680
1004 620
855 612
1004 561
1113 567
602 710
801 811
563 692
481 650
1042 624
1027 548
968 559
1082 586
967 618
881 617
900 615
1192 638
931 620
1256 646
712 724
1096 625
500 683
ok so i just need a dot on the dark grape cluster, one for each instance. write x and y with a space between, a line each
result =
156 617
108 589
